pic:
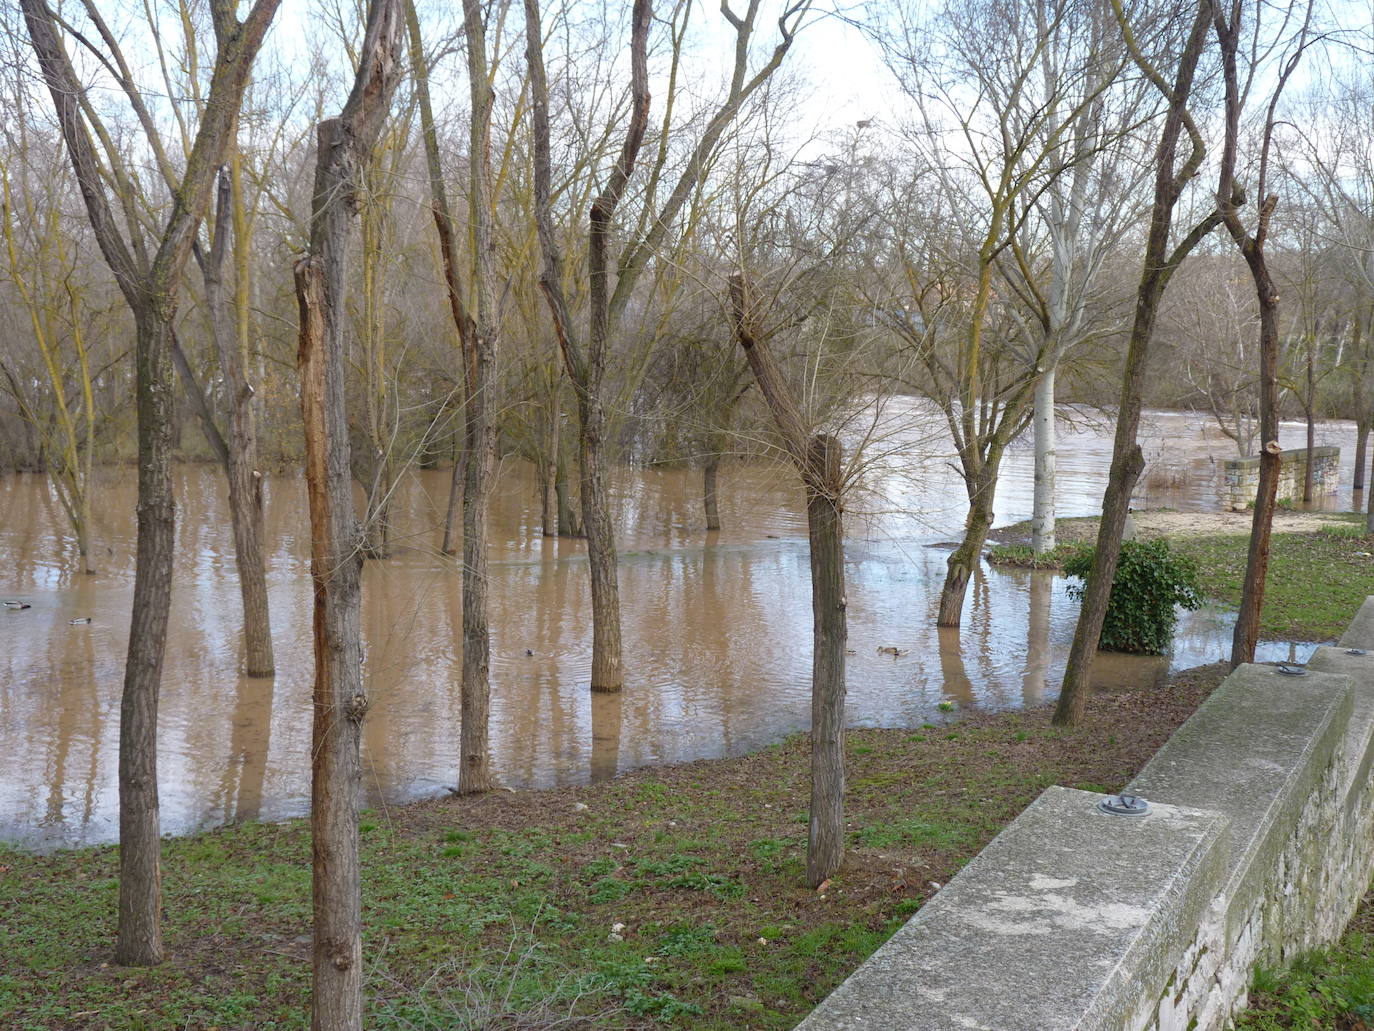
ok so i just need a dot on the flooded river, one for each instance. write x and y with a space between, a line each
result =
717 630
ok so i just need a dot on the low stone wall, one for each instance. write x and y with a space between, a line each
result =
1258 845
1241 476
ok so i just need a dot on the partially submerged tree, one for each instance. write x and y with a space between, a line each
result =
1016 120
148 270
608 298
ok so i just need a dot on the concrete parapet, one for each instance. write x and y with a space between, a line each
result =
1258 846
1360 632
1066 900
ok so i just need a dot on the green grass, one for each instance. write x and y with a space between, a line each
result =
509 903
1315 581
1331 989
1022 557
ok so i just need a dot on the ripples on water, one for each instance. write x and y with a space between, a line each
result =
717 631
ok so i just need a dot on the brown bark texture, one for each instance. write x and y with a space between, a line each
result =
818 459
474 750
1160 263
1230 196
150 286
245 481
710 474
339 701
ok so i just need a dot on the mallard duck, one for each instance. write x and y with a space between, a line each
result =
79 622
16 604
896 653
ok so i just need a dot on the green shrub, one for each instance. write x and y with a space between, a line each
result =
1150 581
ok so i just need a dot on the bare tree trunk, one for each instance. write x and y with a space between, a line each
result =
448 253
562 488
1251 247
150 287
818 459
1042 511
825 841
140 879
1310 409
587 368
709 474
474 744
548 472
1127 460
607 671
340 702
1246 632
965 558
245 481
1361 449
455 494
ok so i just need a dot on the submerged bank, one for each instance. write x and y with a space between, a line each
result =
1321 565
512 900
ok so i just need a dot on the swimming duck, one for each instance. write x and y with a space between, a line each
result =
79 622
16 604
896 653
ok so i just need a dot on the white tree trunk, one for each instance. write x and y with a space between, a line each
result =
1042 513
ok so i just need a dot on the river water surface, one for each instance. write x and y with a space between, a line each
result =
717 629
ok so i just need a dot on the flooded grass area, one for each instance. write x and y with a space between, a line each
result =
668 896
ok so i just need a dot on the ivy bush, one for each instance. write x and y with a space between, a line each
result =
1150 581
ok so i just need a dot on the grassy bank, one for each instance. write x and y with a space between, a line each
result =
1330 989
667 897
1317 578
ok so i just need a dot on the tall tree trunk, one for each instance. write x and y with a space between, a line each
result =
1246 632
818 459
709 474
1251 246
562 488
474 745
150 288
245 481
1042 511
1310 410
830 631
1127 461
340 702
140 878
458 477
607 672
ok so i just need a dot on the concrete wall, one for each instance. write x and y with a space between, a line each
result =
1241 476
1258 845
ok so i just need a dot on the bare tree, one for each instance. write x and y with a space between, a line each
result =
1162 258
1288 47
607 299
150 283
1015 117
340 702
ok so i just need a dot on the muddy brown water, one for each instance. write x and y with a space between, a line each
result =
717 629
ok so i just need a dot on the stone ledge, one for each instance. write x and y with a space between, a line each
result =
1212 762
1357 750
1062 922
1360 632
